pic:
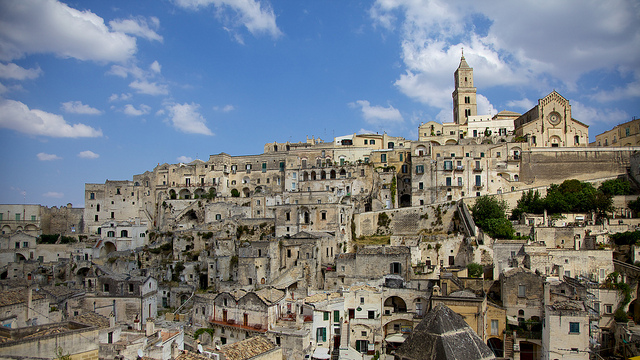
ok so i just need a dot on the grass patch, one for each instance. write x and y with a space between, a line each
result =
374 240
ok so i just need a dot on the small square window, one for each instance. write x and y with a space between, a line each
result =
522 290
574 328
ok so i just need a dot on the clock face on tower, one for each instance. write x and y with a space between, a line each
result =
554 118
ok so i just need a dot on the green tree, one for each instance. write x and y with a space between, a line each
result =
634 205
530 202
235 193
489 214
571 196
616 187
474 270
626 238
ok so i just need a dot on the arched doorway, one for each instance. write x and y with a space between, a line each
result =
395 304
185 194
108 248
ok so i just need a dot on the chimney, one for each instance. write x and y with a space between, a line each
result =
547 294
29 303
150 329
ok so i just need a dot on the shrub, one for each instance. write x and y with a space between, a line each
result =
620 316
474 270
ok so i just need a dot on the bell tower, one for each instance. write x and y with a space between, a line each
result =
464 94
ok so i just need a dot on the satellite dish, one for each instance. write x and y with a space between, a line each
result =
200 349
140 354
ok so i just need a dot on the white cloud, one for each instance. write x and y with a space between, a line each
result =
53 194
591 116
555 45
522 104
226 108
631 90
484 106
155 67
377 114
139 27
184 159
77 107
131 110
17 116
124 71
121 97
256 16
88 154
48 157
186 118
49 26
149 88
13 71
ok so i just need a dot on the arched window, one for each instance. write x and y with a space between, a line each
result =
111 234
124 233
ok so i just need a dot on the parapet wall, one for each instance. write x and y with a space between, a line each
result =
553 165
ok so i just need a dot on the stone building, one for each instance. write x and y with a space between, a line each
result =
238 315
24 218
22 308
314 252
370 264
77 340
127 298
522 294
591 264
565 333
121 236
625 134
549 124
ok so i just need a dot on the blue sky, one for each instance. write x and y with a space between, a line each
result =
97 90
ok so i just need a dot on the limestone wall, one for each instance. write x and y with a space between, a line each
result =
554 165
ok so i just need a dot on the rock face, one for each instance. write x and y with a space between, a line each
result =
443 334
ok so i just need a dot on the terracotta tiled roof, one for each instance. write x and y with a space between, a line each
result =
188 355
270 295
17 296
321 297
167 335
363 287
92 319
246 349
50 331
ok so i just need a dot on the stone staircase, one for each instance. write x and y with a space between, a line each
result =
508 346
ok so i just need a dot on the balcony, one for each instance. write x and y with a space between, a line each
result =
478 169
478 186
398 315
528 334
514 158
460 168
